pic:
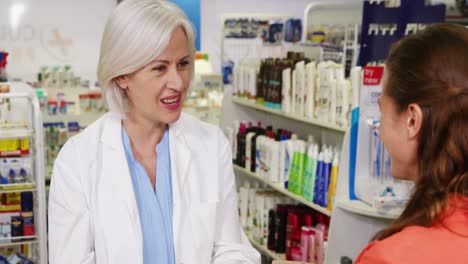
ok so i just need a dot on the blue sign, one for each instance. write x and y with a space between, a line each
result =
382 26
192 9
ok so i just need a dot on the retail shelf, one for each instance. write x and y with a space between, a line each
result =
309 121
7 188
265 251
15 186
362 208
281 189
13 133
16 95
24 240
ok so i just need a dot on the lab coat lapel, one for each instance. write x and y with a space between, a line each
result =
181 158
117 177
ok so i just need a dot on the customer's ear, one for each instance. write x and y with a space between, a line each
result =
414 121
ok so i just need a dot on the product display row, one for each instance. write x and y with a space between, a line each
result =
298 86
272 31
304 168
60 77
283 227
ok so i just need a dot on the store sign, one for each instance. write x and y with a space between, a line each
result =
382 26
40 33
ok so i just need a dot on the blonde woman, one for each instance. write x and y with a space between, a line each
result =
145 183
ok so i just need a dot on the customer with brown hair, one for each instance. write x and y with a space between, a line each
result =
424 126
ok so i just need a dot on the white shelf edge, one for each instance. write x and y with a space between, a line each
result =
284 191
31 184
263 249
247 103
31 240
19 190
15 95
12 133
359 207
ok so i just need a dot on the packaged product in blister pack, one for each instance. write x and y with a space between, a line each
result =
373 182
16 170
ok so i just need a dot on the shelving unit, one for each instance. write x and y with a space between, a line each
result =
264 250
242 109
281 189
26 105
319 123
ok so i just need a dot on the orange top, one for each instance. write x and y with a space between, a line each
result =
446 242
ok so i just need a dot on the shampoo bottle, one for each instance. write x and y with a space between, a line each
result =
333 179
309 99
300 89
286 90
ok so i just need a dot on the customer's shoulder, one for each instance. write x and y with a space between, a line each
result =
413 245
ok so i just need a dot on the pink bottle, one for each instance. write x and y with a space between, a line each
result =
319 249
305 234
311 253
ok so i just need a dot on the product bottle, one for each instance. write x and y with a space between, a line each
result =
310 170
309 99
326 178
241 145
312 246
290 147
234 146
275 161
293 91
318 178
333 180
300 89
253 153
259 91
271 229
332 109
281 228
286 90
242 77
319 246
305 232
244 203
252 86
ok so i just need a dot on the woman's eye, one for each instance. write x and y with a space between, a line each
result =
159 68
184 64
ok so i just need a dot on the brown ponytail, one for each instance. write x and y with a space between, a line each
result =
430 69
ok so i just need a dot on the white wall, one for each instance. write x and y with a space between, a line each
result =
52 32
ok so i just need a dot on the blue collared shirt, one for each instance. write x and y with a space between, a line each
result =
156 221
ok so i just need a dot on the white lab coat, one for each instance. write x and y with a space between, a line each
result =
93 214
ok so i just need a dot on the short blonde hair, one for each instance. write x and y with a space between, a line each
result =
136 33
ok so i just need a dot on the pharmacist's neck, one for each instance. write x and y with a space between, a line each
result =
143 133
